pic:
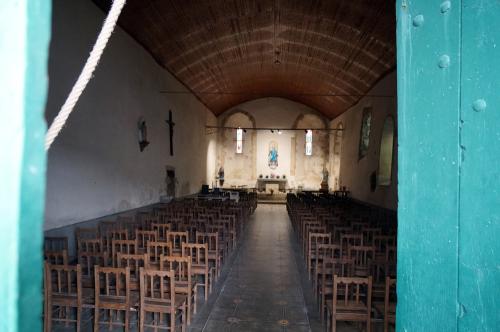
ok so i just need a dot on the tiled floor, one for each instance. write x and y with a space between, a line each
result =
263 288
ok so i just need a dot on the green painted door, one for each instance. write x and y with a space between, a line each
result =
24 39
449 165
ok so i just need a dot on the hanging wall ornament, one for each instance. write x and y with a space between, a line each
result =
143 134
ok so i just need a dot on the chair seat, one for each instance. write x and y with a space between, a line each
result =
64 300
159 305
349 307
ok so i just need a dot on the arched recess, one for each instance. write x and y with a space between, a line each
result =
308 170
239 169
386 153
335 155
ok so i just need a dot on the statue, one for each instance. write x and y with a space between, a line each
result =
325 175
221 176
324 182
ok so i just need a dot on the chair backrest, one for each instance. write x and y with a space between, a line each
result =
82 233
161 230
347 240
124 247
180 265
157 286
340 266
212 239
55 243
353 292
369 233
362 255
111 235
177 239
90 245
156 249
197 251
143 237
57 257
63 280
112 285
88 260
133 261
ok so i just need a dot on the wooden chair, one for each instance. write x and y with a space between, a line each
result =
158 296
88 260
82 233
184 284
389 303
363 257
55 243
109 236
199 263
157 249
63 290
134 262
214 254
124 247
91 245
161 230
56 257
351 301
112 295
314 240
324 251
177 239
143 237
340 266
347 240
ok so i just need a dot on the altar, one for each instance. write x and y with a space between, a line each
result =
263 183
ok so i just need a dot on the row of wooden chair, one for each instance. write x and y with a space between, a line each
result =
152 264
350 257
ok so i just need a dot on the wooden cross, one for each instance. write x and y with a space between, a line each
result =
171 125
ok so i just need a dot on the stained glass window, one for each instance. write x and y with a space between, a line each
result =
364 137
239 140
309 142
386 151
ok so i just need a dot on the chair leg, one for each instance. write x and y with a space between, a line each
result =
172 320
368 324
96 319
141 319
206 287
334 323
78 318
183 317
189 304
48 317
127 320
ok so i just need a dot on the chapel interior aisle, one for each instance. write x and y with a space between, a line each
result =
263 289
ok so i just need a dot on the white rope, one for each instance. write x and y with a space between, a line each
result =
86 74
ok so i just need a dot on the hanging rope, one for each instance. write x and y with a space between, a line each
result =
86 74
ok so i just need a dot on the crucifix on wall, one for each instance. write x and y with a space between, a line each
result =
171 125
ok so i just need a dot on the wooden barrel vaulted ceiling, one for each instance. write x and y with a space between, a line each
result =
323 53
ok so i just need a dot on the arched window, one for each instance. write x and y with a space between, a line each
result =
386 152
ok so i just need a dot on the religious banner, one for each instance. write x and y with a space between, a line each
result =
273 155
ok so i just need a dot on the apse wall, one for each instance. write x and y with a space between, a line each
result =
356 172
244 169
95 167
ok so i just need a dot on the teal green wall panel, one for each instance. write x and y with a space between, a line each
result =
479 250
24 38
449 165
428 159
